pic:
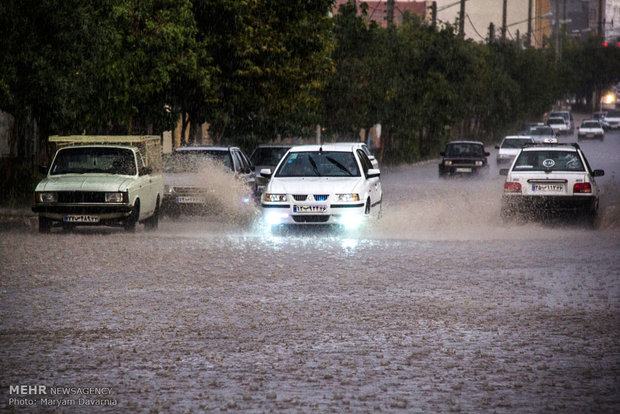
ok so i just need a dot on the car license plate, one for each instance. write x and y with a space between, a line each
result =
547 188
309 209
463 170
77 218
190 199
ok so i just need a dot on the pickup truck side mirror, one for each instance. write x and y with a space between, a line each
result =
486 154
598 173
43 169
503 171
146 170
265 172
442 153
497 147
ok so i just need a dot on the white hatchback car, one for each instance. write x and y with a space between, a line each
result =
328 184
549 180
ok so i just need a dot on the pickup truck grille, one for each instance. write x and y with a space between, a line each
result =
81 197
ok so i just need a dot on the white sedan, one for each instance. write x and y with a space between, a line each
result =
328 184
590 129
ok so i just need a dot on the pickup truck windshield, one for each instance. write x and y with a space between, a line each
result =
93 160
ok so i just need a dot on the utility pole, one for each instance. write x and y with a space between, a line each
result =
529 24
462 19
600 20
390 13
504 27
557 31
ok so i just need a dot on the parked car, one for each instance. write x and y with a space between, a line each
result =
548 180
328 184
543 134
590 129
266 156
567 116
463 158
510 147
185 169
559 125
613 119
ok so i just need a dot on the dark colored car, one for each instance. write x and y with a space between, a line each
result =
188 186
266 156
463 158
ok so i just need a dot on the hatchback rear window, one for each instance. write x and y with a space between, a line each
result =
548 161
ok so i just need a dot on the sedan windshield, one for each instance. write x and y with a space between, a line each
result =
268 155
548 161
87 160
590 124
464 150
196 160
319 164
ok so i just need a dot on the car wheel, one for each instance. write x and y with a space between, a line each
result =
132 219
45 224
153 222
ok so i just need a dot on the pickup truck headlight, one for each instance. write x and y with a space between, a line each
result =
168 189
275 198
116 197
479 163
447 162
46 196
348 197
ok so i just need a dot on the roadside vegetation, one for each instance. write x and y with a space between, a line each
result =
256 69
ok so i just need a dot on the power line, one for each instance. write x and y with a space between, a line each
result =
474 27
449 5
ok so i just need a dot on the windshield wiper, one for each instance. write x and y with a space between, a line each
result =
337 164
314 166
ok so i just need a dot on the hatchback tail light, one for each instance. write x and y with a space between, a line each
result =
582 188
510 187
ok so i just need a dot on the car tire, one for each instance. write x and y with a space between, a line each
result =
152 222
132 220
45 225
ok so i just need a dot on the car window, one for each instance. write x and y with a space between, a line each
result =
366 164
268 155
464 150
195 160
548 161
319 164
555 121
84 160
239 167
590 124
515 143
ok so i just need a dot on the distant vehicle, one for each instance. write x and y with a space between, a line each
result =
101 180
322 184
543 134
266 156
546 180
363 147
600 116
463 158
510 147
590 129
559 125
567 116
187 191
613 119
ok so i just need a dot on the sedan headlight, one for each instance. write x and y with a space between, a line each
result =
348 197
46 196
275 198
116 197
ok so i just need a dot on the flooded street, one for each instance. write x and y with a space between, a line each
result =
440 306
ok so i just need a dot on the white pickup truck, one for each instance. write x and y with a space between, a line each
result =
101 180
